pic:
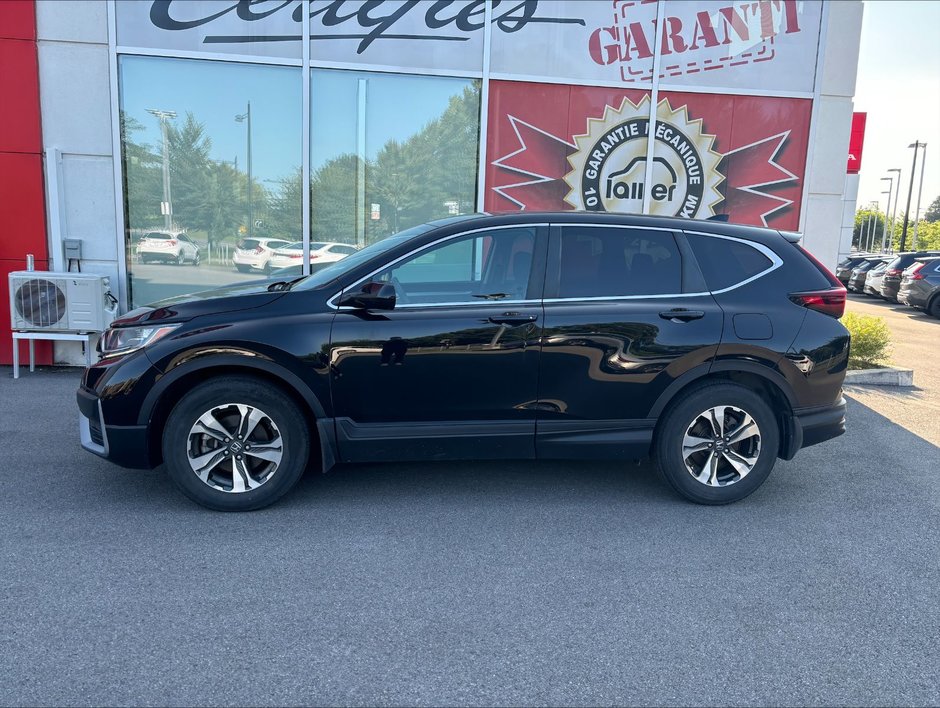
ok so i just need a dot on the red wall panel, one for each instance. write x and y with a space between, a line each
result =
17 19
22 198
24 218
19 88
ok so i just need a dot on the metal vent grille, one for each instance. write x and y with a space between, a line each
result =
40 302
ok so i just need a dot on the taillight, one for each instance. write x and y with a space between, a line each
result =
172 242
915 273
299 255
259 250
893 271
829 302
314 256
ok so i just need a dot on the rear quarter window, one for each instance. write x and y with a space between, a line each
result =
725 262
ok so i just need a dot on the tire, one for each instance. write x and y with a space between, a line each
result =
242 268
197 259
724 483
933 307
280 430
179 259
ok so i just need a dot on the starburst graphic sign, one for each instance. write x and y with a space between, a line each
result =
741 156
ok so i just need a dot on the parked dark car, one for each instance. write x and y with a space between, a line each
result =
892 280
860 273
715 347
847 265
920 286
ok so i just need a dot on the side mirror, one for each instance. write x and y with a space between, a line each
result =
372 296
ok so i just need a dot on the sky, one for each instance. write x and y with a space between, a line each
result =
898 86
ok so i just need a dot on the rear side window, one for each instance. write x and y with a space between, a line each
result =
725 262
617 262
248 244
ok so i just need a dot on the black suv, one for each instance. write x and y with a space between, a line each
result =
715 347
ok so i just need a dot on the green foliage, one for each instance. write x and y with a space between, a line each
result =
871 340
933 211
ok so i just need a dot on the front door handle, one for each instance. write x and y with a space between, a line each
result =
513 319
681 315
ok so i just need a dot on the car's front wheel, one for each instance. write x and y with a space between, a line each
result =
718 443
235 444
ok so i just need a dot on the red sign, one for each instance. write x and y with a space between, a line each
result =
554 147
856 143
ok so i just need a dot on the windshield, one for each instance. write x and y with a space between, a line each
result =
353 261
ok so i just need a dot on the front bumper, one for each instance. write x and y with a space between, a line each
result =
124 445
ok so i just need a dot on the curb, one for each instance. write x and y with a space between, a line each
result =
887 376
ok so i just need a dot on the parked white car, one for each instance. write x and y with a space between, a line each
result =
255 253
320 252
874 280
167 247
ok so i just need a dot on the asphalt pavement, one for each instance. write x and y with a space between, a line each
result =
473 583
914 346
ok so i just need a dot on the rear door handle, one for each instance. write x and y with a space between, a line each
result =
514 319
680 315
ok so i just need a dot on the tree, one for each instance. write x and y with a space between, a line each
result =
933 211
189 148
142 177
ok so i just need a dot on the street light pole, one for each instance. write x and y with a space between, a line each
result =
920 191
246 117
894 213
887 213
884 222
167 206
907 209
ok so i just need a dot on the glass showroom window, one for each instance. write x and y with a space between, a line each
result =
212 174
389 152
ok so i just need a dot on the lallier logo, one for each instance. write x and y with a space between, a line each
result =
605 167
721 37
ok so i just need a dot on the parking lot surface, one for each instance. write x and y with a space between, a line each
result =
470 583
914 337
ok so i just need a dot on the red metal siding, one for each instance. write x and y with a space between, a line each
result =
21 177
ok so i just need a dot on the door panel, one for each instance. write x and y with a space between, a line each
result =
452 371
606 360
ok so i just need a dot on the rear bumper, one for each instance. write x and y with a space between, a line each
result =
127 446
811 426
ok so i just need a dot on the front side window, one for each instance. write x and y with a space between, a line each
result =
616 262
487 266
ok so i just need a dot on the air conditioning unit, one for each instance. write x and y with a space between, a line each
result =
60 302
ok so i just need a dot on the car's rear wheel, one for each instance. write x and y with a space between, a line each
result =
933 307
235 444
718 443
179 259
241 268
197 259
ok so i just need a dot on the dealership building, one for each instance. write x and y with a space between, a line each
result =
228 124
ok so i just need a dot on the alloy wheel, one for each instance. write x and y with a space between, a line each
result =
721 446
234 447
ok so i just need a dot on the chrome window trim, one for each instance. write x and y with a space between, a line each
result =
443 239
775 260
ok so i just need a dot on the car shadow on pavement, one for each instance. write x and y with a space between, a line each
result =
902 309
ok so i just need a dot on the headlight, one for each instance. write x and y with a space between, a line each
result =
122 340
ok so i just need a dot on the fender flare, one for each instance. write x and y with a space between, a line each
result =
249 360
703 370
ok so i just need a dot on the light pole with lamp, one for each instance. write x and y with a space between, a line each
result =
884 229
920 191
907 209
894 212
884 223
167 205
246 118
